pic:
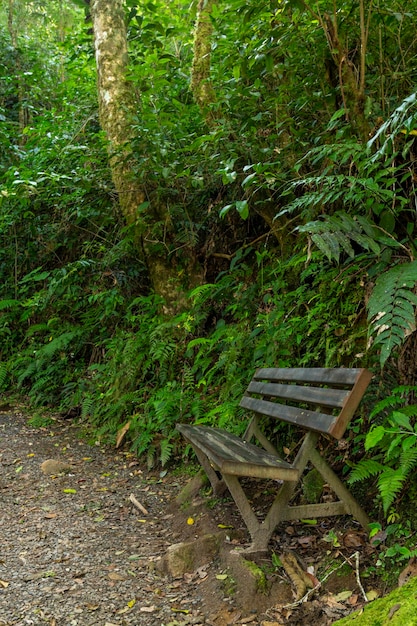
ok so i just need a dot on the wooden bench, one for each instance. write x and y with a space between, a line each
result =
321 401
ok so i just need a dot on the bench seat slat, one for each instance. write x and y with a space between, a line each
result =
312 395
232 455
319 375
312 420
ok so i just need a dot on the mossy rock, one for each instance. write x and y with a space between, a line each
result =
398 608
313 484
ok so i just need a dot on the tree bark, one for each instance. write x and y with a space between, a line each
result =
201 85
117 107
116 101
22 108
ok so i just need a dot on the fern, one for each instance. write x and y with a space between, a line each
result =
334 234
166 451
390 483
3 375
365 469
392 306
9 304
402 120
87 406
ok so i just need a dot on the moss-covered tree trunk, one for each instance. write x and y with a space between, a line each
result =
117 106
201 85
116 100
19 74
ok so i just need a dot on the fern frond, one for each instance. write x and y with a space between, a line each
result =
87 407
9 304
3 374
390 483
59 343
403 118
364 470
408 458
166 451
392 306
334 233
202 294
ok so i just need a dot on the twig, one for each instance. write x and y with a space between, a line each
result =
306 596
358 579
137 504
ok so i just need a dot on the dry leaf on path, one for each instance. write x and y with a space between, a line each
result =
121 434
116 576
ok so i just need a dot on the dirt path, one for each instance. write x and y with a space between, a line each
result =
76 552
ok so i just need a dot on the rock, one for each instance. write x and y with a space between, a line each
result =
188 556
52 466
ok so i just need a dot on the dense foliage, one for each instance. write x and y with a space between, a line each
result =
285 204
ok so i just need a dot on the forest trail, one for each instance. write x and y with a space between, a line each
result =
75 551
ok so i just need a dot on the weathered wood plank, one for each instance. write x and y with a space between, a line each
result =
352 402
318 375
232 455
320 396
311 420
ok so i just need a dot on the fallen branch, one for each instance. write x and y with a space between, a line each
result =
137 504
358 579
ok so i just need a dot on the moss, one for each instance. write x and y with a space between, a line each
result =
313 484
398 608
258 574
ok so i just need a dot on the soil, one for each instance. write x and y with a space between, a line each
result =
76 551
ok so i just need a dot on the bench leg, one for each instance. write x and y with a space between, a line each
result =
260 532
339 488
219 486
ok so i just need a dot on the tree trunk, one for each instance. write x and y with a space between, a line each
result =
201 86
116 101
22 108
352 88
117 107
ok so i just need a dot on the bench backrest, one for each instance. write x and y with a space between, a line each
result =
319 399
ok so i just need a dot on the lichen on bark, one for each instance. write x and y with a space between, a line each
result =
201 85
116 100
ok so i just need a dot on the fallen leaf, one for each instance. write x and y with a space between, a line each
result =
148 609
115 576
342 596
50 515
121 434
353 599
4 584
353 540
221 576
373 594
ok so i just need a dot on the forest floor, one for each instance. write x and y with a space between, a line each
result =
75 550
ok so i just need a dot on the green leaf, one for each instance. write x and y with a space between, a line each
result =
374 436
